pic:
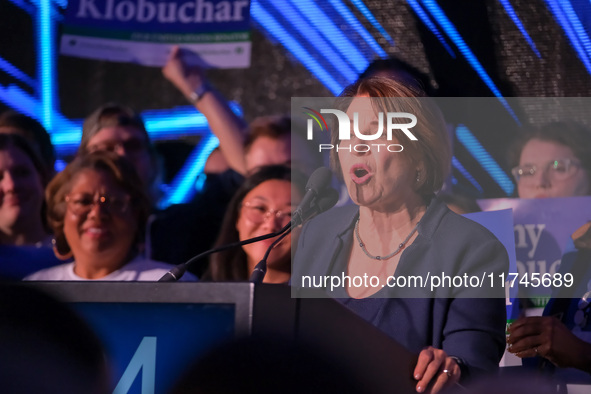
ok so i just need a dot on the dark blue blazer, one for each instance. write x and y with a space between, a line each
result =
471 329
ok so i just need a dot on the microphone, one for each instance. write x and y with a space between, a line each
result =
317 182
324 202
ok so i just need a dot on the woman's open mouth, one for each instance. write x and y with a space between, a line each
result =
360 174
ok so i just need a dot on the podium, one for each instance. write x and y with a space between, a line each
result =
153 330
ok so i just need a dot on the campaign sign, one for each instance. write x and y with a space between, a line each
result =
542 229
499 223
142 31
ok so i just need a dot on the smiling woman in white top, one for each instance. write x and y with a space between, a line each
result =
97 208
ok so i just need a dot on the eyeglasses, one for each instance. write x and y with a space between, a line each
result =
81 204
559 170
258 212
133 146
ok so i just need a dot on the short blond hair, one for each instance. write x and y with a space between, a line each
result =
431 153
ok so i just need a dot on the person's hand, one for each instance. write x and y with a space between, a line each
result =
186 78
547 337
435 371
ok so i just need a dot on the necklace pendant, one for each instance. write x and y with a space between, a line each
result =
361 244
400 246
378 258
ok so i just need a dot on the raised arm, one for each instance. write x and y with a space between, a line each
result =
228 127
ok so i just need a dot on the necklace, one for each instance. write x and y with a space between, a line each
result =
386 257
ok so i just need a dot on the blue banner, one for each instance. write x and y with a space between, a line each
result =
170 16
143 31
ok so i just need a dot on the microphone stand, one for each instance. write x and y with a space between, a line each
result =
260 270
179 270
324 202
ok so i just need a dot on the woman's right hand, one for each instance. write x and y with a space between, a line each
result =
186 78
435 367
548 337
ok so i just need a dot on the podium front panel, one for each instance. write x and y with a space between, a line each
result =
153 332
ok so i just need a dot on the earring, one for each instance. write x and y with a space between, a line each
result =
62 257
418 176
59 254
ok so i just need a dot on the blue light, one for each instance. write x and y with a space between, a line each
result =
61 3
357 26
430 25
484 159
25 6
310 34
15 72
237 109
369 16
59 165
459 42
68 137
573 29
577 26
67 140
46 65
24 103
13 96
32 6
278 32
161 124
511 12
180 121
333 34
183 185
465 173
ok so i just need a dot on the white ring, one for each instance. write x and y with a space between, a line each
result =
447 372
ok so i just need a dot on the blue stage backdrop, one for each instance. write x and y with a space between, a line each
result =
303 48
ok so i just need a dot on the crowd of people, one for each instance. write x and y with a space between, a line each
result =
98 219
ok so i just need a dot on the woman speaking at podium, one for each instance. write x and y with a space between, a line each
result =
396 229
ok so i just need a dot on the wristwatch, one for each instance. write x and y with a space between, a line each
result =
198 94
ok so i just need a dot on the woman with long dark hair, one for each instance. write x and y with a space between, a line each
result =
262 205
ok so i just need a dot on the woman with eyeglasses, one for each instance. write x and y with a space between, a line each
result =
97 207
553 161
262 205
